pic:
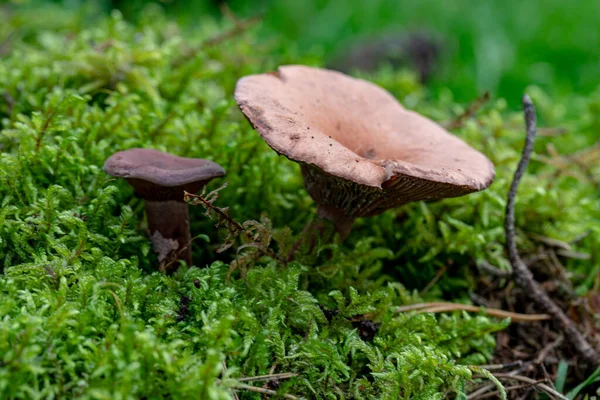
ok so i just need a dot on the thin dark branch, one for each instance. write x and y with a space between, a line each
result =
470 111
436 278
240 27
269 377
49 117
587 171
509 222
241 386
522 275
580 237
495 394
167 267
486 267
547 349
298 242
217 210
551 132
542 386
235 396
492 367
481 390
5 44
162 124
10 103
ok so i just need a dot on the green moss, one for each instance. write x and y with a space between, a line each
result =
84 314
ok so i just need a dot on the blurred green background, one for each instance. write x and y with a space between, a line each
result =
496 45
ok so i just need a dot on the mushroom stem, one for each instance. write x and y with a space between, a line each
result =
342 222
169 225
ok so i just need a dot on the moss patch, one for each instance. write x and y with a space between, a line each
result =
84 314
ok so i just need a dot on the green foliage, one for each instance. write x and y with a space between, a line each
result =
495 45
83 314
593 378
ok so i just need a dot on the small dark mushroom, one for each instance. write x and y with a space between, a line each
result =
360 151
161 179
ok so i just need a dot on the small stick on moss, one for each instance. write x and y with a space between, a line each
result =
436 278
10 103
549 390
241 386
587 171
547 349
270 377
489 269
240 27
178 254
551 132
271 372
5 44
482 390
436 307
222 214
159 127
298 242
522 275
495 394
235 396
470 111
49 117
493 367
234 228
580 237
228 14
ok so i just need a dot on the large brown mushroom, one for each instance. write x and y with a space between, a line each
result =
161 179
360 151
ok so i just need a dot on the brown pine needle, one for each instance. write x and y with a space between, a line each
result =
437 307
436 278
470 111
542 386
495 394
239 27
242 386
492 367
270 377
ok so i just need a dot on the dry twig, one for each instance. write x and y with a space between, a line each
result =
441 306
240 26
547 349
542 386
492 367
481 391
522 275
235 396
489 269
242 386
484 394
470 111
270 377
436 278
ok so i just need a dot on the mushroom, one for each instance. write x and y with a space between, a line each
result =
360 151
160 179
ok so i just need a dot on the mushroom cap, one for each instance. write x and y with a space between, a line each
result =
355 130
160 176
